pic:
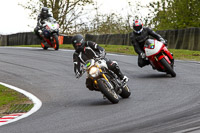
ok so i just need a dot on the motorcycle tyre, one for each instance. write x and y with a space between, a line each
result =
125 92
103 87
56 41
168 67
45 48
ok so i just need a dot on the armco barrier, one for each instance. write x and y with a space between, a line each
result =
115 39
177 39
27 38
182 39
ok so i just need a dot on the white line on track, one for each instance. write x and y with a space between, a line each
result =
37 103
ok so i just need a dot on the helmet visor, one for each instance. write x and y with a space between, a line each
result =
137 28
78 44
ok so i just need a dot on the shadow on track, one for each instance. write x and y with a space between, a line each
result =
154 76
40 49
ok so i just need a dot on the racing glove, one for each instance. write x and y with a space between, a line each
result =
78 74
102 54
163 41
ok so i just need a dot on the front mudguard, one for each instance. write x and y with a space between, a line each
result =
166 58
109 93
166 51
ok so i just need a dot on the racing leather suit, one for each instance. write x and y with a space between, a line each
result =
92 50
40 22
138 41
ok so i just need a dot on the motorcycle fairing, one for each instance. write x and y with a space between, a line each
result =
153 47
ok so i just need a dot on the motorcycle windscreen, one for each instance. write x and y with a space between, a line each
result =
152 47
89 63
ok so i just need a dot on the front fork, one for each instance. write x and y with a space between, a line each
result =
170 59
103 75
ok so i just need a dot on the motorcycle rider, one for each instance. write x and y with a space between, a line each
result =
139 35
44 14
85 50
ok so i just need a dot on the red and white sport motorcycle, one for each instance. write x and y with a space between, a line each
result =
159 56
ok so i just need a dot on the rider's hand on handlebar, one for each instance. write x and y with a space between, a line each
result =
102 54
78 74
163 41
97 59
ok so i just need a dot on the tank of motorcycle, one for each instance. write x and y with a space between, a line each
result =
152 47
101 63
91 62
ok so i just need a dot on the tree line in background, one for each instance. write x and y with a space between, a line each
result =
73 17
174 14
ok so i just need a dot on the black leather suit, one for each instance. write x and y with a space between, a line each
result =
138 41
89 51
40 21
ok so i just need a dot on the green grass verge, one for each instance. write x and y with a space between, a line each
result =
9 97
179 54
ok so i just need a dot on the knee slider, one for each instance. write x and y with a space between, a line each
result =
114 65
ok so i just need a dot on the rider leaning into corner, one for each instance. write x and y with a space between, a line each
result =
139 35
44 14
85 50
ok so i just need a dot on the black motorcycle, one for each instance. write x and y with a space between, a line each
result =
104 80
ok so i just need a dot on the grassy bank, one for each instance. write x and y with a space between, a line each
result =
179 54
9 98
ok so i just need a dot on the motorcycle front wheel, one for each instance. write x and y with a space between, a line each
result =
107 92
43 46
167 67
56 42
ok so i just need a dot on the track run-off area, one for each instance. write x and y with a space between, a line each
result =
158 103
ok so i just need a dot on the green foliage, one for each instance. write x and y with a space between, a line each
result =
164 15
110 23
174 14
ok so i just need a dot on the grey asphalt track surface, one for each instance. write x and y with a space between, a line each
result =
158 104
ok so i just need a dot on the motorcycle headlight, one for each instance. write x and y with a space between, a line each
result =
94 72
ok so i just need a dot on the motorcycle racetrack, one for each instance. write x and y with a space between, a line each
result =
158 103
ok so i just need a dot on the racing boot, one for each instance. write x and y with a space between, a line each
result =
118 72
172 61
125 79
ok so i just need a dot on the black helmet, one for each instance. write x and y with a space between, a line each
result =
45 12
137 26
78 42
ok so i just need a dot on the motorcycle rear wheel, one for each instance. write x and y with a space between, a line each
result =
108 93
168 67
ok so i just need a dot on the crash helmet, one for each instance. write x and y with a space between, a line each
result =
78 42
137 26
44 12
